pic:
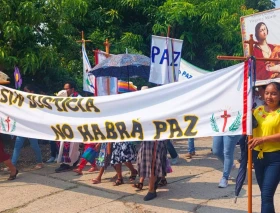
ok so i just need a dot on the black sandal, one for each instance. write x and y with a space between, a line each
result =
138 185
12 177
133 177
162 182
118 182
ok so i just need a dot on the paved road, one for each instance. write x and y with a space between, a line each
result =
192 187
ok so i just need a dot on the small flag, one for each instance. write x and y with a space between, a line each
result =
18 79
88 81
100 56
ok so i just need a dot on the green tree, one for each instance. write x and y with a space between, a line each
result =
33 36
208 28
260 5
39 36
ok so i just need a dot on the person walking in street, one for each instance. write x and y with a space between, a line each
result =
123 153
91 150
54 152
151 163
266 146
223 147
69 153
191 148
5 158
172 151
33 141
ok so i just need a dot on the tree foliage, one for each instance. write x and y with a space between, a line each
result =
260 5
39 36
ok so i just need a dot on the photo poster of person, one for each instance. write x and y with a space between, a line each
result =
265 28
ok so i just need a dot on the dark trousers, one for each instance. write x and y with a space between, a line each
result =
267 172
171 149
54 149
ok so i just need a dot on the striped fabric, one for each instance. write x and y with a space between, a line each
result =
145 157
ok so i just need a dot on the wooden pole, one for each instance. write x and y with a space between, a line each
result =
154 161
109 145
107 47
240 58
168 31
250 178
156 142
83 41
251 43
231 58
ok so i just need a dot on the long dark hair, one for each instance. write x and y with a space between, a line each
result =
257 29
276 84
71 84
32 88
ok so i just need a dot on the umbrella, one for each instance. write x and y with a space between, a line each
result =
123 87
123 66
243 165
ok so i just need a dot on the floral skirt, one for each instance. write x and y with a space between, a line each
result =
123 152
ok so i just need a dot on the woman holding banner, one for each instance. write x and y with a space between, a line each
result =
266 146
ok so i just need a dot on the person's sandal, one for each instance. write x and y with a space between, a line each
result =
93 169
78 171
12 177
114 177
39 166
118 182
6 169
138 185
95 181
133 177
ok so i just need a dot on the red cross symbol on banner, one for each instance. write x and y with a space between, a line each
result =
8 122
225 116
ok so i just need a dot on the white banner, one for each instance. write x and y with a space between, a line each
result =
165 59
208 105
88 80
188 71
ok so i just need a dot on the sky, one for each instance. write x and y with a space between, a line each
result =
277 3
